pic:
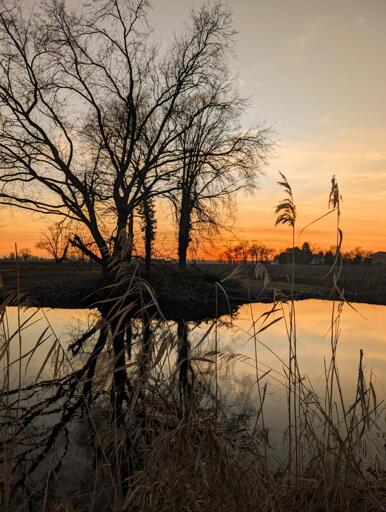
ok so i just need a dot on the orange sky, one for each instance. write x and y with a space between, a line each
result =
316 73
359 163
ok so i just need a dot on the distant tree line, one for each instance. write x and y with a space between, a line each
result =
245 251
307 256
253 252
55 241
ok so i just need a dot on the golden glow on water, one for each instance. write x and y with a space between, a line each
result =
40 330
362 329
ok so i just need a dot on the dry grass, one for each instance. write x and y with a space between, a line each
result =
171 442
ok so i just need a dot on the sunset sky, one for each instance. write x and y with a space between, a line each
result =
316 72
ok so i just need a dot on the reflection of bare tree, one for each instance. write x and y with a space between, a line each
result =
185 370
89 375
86 375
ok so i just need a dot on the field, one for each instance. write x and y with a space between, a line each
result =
359 283
69 284
48 284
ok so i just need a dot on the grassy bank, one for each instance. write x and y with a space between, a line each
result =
190 295
360 283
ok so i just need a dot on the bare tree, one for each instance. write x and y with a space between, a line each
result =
87 109
260 252
254 252
88 120
217 159
229 253
25 253
241 251
55 241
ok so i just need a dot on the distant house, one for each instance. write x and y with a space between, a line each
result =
378 258
318 259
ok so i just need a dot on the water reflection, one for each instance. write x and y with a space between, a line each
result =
362 329
31 332
236 350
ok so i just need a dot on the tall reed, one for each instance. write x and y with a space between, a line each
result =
178 444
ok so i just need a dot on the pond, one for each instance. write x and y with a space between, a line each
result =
362 328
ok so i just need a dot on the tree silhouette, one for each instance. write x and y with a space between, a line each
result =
88 122
217 160
88 110
25 253
55 241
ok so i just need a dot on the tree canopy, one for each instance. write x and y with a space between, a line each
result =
92 112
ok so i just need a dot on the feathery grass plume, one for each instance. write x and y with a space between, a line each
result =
286 209
334 200
335 197
286 214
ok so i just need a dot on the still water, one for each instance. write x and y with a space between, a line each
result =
363 328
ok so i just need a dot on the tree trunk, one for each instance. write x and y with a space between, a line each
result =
121 245
130 236
120 378
148 251
149 230
184 232
183 244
